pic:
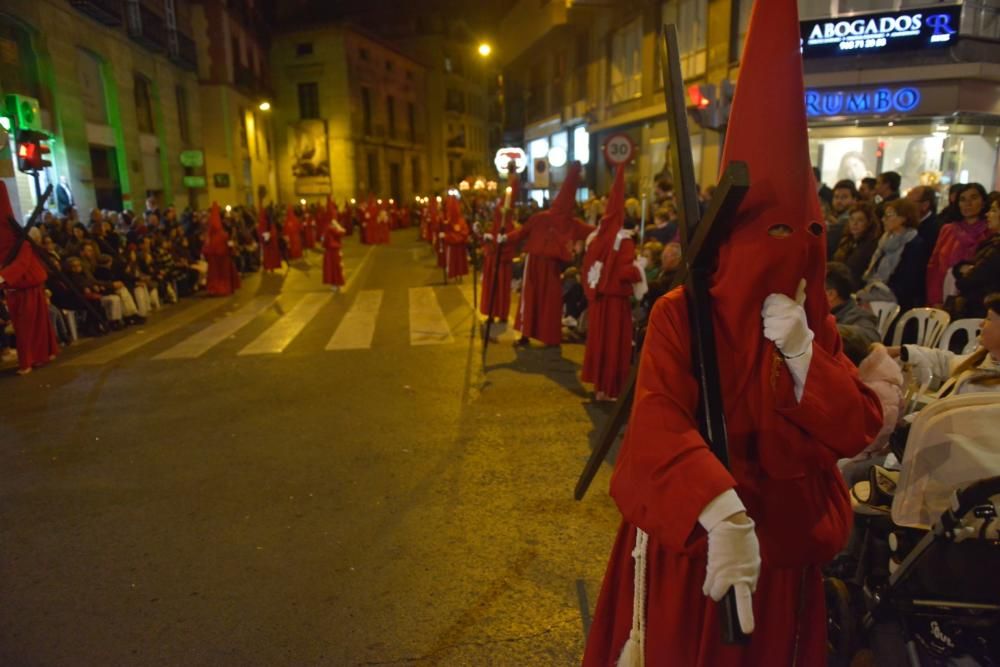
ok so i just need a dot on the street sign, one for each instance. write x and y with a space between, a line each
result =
618 149
194 181
505 155
192 158
541 179
220 180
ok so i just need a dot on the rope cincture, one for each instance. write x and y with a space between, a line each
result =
634 652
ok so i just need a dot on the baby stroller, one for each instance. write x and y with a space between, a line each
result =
925 589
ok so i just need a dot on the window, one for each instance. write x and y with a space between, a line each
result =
88 69
626 62
454 100
304 49
366 109
373 184
537 150
415 173
183 122
390 110
144 105
738 34
581 144
411 121
691 17
309 100
241 120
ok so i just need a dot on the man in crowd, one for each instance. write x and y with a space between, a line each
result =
926 200
866 191
844 308
845 195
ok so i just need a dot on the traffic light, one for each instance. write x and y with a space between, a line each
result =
708 108
24 111
31 150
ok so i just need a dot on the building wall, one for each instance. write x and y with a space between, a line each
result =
58 30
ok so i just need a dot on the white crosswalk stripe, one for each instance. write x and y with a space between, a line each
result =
215 333
357 329
280 334
428 325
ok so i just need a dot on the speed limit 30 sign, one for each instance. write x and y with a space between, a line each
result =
618 149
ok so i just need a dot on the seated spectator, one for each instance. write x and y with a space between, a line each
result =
897 269
866 191
858 243
926 200
965 373
957 242
75 243
844 196
664 229
653 252
845 309
94 290
980 276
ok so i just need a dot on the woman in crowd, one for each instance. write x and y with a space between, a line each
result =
857 246
900 259
957 242
981 276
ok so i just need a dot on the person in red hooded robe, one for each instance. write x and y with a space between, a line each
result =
496 248
293 233
436 229
223 279
382 222
793 405
611 277
456 238
333 268
269 244
368 215
548 237
22 280
309 228
347 215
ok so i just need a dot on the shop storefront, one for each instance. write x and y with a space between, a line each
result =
550 150
931 133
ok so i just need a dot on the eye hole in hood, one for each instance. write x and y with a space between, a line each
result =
816 229
779 231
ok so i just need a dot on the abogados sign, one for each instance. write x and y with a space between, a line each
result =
884 32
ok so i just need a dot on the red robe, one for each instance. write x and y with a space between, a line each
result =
783 456
547 245
293 232
497 279
270 249
24 288
333 270
607 356
223 279
309 232
456 236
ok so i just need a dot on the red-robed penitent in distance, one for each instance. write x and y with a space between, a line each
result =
308 229
435 227
222 278
456 236
333 268
548 237
609 272
269 244
24 288
293 232
503 223
783 449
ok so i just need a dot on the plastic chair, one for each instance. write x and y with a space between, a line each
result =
971 326
931 323
886 312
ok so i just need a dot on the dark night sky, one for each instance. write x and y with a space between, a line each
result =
481 15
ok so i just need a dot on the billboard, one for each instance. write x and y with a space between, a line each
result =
310 155
883 32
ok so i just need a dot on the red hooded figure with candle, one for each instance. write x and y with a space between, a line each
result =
223 279
269 244
548 241
456 236
293 232
495 246
333 268
611 277
22 281
693 529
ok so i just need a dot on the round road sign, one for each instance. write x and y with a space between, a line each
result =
618 148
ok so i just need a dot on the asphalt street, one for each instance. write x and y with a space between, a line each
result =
294 477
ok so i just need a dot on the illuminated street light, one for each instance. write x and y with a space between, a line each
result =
302 201
229 208
485 50
264 106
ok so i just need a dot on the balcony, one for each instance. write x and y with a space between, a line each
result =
107 12
146 27
183 51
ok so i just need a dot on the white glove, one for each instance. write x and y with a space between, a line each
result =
487 236
786 325
267 236
502 238
733 555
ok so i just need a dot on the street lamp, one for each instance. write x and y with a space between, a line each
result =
485 50
264 106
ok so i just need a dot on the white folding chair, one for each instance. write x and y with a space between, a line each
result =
886 312
971 326
931 323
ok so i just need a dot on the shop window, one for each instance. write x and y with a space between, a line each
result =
691 17
309 100
144 104
625 63
581 144
537 149
88 69
740 23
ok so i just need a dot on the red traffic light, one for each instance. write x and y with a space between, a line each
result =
697 98
31 151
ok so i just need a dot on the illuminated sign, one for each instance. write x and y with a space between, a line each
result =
505 155
861 102
881 33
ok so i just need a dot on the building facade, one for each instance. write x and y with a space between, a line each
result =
349 114
118 92
577 74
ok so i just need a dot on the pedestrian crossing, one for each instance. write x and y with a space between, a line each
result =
436 316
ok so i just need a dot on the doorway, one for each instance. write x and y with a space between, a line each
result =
395 181
107 184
